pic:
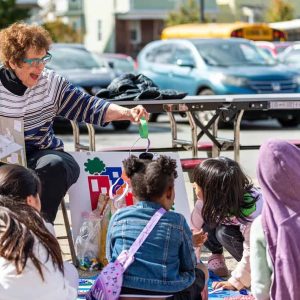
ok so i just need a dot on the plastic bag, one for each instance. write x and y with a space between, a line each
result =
89 241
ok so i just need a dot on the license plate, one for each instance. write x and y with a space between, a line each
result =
284 105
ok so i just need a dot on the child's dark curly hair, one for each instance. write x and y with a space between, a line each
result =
150 178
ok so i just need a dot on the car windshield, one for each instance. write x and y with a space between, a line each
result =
291 57
123 65
281 48
66 58
228 54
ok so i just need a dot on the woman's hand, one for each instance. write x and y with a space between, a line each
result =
199 237
119 113
225 285
137 112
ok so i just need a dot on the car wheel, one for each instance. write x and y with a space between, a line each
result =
205 116
292 121
120 125
153 117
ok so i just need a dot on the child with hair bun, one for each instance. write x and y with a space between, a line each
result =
165 264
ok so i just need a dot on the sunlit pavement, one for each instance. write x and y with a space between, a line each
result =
159 133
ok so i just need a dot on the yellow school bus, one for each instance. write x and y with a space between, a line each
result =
251 31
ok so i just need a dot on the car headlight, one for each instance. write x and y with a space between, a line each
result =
296 79
232 80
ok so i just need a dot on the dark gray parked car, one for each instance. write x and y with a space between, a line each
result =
84 69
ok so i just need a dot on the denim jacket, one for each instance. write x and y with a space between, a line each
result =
166 261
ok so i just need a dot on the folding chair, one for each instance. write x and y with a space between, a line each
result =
63 204
78 147
69 232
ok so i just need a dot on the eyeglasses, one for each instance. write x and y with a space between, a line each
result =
37 61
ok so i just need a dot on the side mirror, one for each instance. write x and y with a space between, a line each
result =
111 64
185 63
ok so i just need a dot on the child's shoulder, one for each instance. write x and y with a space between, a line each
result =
137 212
175 214
124 210
255 191
253 194
177 217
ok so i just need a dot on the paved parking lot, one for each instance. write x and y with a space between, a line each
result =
61 233
160 136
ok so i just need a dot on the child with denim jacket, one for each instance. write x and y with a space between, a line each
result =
165 264
226 207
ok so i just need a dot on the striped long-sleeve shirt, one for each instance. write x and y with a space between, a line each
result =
38 106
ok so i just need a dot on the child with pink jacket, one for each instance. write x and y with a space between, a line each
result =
226 207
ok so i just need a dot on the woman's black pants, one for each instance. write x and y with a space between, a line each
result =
57 171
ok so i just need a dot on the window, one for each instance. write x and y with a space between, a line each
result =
225 53
250 53
184 54
66 58
293 57
135 32
161 55
150 56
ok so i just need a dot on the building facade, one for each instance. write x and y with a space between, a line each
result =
126 26
32 6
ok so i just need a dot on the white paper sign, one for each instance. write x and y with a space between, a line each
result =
18 125
12 143
98 171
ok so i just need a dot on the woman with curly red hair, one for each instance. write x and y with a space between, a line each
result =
37 95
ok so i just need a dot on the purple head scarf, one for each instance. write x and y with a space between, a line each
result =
278 174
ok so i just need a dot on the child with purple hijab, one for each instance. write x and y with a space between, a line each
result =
275 236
